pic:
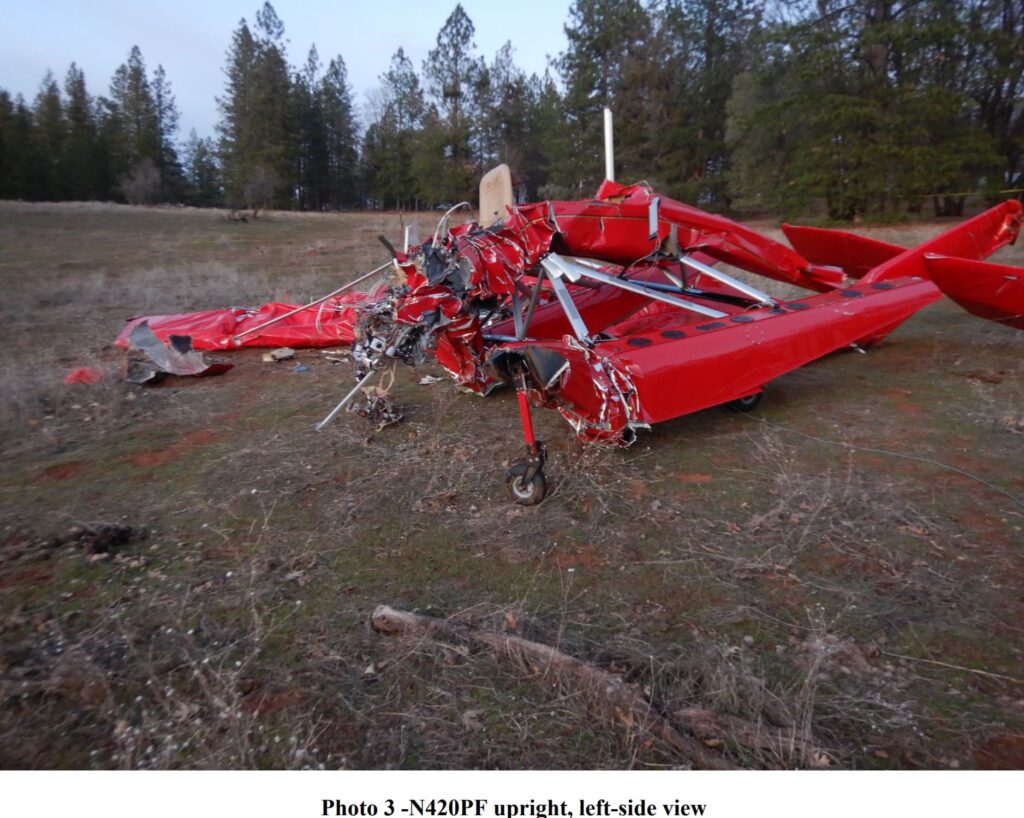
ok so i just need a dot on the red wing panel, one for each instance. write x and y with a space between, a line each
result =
838 248
993 291
216 329
675 368
974 239
733 357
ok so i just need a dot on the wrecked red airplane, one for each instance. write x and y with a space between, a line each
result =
610 310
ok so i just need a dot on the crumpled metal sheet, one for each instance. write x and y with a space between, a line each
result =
150 360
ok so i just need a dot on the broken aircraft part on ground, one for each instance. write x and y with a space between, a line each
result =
611 310
271 325
150 360
378 407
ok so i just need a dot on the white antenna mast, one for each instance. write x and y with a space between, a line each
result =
609 146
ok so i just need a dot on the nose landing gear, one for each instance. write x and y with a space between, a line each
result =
525 480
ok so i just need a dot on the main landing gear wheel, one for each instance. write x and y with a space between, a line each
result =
524 490
747 404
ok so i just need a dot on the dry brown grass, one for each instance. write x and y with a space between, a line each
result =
780 572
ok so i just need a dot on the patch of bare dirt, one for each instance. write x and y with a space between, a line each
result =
1002 752
64 471
175 451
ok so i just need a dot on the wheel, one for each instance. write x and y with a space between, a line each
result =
747 404
525 493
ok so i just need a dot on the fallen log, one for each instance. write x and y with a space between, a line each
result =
608 692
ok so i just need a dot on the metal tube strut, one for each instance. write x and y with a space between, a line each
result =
534 298
725 278
290 313
555 273
526 420
341 405
558 266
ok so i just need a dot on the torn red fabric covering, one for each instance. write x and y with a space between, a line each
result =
326 325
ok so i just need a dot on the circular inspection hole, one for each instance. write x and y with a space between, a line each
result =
742 319
881 285
639 342
673 333
712 325
797 305
851 293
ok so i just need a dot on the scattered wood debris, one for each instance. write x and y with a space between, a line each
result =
697 734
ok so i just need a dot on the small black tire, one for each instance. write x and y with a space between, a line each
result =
522 492
746 404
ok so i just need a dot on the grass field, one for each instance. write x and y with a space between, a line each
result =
844 563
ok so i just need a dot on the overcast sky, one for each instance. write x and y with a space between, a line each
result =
190 39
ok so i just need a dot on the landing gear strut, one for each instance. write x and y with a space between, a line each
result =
525 480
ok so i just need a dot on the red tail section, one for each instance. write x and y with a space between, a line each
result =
993 291
974 239
952 260
854 255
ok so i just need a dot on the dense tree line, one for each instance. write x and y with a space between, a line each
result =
864 107
871 106
70 145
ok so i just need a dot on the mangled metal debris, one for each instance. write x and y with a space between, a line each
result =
377 407
150 360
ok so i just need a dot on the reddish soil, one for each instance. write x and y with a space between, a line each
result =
38 575
584 555
161 457
260 702
695 479
1002 752
64 471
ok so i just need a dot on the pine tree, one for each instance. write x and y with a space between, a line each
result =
340 135
703 45
133 121
202 172
237 138
432 164
857 106
172 177
22 169
312 170
607 44
49 132
546 138
387 156
79 160
450 70
9 156
257 145
992 76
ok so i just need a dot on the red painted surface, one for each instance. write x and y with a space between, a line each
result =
527 422
216 329
851 253
88 375
993 291
974 239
